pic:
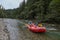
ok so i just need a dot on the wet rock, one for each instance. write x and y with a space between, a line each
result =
3 31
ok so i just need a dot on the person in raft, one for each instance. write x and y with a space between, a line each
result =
39 24
31 24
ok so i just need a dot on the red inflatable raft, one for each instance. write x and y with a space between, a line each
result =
35 28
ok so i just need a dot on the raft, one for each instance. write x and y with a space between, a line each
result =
37 29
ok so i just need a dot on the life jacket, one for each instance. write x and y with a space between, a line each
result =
40 25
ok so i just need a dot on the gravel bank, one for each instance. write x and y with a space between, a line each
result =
4 34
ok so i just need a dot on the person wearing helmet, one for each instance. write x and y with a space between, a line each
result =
39 24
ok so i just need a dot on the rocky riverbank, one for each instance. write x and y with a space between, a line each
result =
4 34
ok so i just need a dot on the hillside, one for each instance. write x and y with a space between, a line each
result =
45 10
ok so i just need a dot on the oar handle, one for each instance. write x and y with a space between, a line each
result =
27 25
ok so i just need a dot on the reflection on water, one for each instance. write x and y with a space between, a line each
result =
18 31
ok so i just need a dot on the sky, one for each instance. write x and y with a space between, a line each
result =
10 4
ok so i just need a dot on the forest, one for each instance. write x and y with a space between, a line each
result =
44 10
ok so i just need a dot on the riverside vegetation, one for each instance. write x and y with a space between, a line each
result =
45 10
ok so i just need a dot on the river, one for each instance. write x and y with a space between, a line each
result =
18 31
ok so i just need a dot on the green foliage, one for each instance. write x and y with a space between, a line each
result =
45 10
1 12
54 7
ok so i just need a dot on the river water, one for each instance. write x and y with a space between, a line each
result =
18 31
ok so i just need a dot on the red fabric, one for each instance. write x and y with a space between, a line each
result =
34 28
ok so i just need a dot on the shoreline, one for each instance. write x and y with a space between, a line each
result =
4 34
